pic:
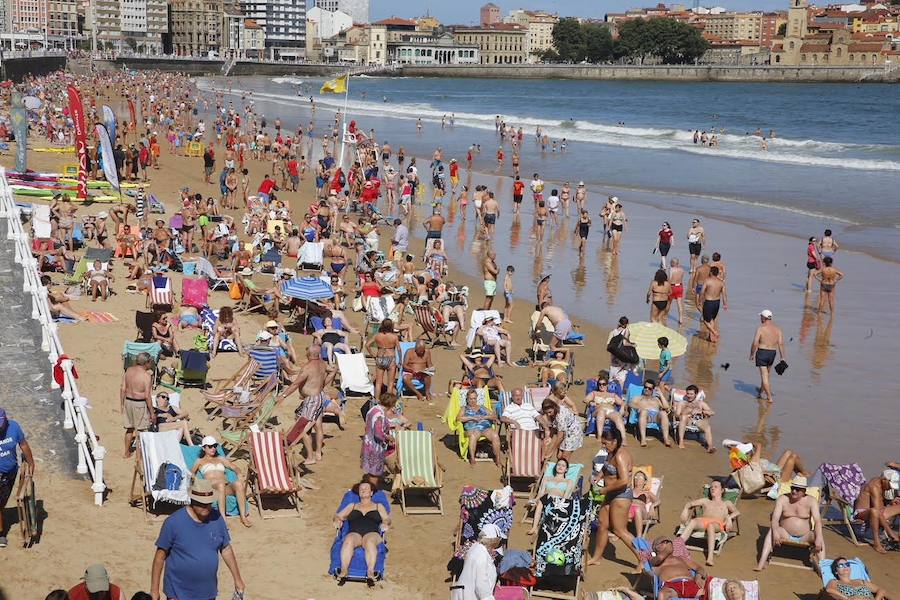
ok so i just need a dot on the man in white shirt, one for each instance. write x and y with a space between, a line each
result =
479 574
537 188
519 415
401 236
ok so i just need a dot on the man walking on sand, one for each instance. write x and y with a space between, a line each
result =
490 209
135 399
712 295
767 340
311 381
490 270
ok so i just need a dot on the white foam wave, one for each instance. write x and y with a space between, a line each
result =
289 80
743 147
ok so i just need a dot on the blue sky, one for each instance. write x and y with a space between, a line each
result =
466 11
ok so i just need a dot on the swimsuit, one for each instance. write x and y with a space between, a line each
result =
852 591
686 588
212 467
710 310
490 219
364 524
661 304
626 494
583 229
384 362
765 357
827 287
677 291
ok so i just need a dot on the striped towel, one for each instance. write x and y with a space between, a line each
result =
101 317
161 291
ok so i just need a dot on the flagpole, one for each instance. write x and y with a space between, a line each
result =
344 120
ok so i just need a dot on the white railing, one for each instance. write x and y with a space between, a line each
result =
90 452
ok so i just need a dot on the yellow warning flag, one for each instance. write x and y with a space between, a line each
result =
337 85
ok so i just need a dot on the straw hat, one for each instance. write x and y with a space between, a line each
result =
202 491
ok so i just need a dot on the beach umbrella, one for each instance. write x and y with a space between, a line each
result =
307 288
644 335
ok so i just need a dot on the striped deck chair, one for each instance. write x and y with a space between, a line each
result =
160 296
238 416
419 471
227 392
433 331
523 459
267 358
271 472
237 438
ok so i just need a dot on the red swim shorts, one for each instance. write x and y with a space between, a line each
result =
686 588
677 292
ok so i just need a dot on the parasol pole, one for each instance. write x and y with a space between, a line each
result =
344 120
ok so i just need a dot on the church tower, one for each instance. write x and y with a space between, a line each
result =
796 31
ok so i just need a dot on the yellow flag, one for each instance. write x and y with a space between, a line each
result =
337 85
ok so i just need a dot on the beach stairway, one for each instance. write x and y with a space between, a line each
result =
227 66
25 383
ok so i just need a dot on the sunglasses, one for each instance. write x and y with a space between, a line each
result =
648 387
599 383
211 446
796 489
842 565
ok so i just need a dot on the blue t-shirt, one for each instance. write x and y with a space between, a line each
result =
9 460
193 559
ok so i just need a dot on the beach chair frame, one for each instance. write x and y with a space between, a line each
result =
808 564
292 495
245 414
846 520
697 541
434 333
26 504
434 492
509 476
224 394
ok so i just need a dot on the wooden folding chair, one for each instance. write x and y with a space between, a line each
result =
272 472
419 471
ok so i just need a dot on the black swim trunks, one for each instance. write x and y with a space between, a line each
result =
765 358
710 310
694 248
517 198
490 219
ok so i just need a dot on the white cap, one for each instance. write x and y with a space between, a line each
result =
766 314
264 336
209 440
492 532
893 477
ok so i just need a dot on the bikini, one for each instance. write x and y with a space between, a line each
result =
219 467
853 591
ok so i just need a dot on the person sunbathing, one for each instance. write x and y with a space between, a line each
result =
331 339
168 418
607 406
555 367
844 587
734 590
60 305
796 519
99 278
694 412
870 506
212 467
188 316
163 332
477 423
652 408
681 577
479 370
718 516
497 338
418 367
554 486
367 522
226 329
643 502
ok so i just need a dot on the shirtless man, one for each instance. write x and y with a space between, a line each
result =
434 225
696 412
293 243
676 280
417 365
489 270
828 277
713 295
562 325
718 262
870 506
653 408
766 342
699 276
311 381
544 295
717 516
135 400
490 210
681 577
791 522
695 236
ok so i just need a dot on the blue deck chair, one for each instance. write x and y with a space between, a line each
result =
267 357
644 545
635 390
402 390
192 455
194 368
590 427
357 570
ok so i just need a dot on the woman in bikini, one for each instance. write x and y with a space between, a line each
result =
383 346
658 297
212 468
555 486
643 501
331 339
613 514
617 223
607 406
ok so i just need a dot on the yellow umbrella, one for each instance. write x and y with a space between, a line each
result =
644 335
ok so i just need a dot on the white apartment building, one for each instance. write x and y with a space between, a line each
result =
283 23
357 9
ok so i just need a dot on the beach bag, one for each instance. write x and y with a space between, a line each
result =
625 354
750 478
234 291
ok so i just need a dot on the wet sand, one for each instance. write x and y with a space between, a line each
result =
288 557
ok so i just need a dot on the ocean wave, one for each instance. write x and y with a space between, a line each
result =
289 80
814 153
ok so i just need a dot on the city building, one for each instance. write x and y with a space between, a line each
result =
539 25
28 15
241 37
283 23
490 14
323 24
734 26
129 25
397 28
62 24
808 43
196 27
426 49
358 9
498 44
361 44
427 23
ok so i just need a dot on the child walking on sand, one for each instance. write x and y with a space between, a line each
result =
508 293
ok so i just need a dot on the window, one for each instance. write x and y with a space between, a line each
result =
802 58
792 45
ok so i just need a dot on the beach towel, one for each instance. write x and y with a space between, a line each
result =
562 528
40 221
379 309
354 374
164 447
311 255
357 568
100 317
476 321
479 507
844 481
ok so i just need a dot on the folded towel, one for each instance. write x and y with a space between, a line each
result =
158 448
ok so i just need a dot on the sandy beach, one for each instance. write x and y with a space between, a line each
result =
832 360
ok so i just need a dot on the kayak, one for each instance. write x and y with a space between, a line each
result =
63 150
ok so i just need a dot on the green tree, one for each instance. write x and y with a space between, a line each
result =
598 42
671 41
569 40
782 29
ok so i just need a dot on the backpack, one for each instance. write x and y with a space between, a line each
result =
169 477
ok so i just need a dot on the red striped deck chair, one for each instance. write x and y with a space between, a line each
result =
523 460
225 394
433 331
160 297
272 473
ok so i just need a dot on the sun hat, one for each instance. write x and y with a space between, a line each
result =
263 336
96 579
247 272
209 440
202 492
766 314
893 478
271 324
799 481
580 183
